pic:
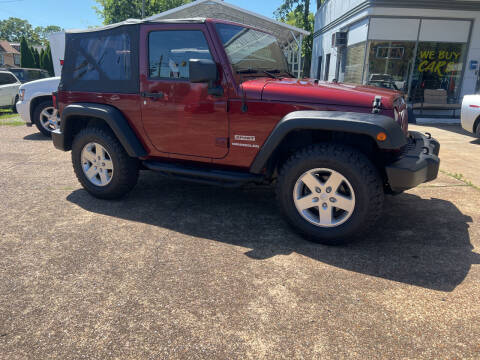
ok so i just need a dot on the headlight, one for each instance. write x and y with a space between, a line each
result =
21 94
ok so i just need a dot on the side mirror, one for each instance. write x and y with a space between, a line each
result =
202 71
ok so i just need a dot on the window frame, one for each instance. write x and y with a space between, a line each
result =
150 31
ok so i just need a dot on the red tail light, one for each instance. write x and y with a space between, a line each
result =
55 100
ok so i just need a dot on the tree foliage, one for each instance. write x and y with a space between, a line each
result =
27 59
112 11
14 29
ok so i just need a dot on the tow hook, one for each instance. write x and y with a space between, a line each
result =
377 104
426 150
428 135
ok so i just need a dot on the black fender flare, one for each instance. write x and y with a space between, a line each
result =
63 137
349 122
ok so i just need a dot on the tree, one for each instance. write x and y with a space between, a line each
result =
47 61
297 13
40 59
14 29
43 32
36 57
112 11
27 59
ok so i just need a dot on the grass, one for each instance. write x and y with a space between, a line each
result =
8 118
461 178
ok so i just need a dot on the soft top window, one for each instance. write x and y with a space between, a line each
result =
102 61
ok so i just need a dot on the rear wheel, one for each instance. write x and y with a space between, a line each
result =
46 117
330 193
101 164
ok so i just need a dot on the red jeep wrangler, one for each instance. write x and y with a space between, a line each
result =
213 102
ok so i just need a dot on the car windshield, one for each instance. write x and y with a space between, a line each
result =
19 74
252 52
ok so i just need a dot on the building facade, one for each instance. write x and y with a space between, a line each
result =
429 49
9 56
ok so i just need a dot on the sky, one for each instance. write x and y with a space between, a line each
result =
78 14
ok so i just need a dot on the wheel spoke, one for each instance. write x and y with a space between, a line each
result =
103 177
89 155
325 215
344 203
311 181
305 202
91 172
102 152
334 181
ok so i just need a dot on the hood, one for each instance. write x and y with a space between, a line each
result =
47 83
311 91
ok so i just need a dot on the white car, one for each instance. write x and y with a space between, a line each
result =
35 104
9 85
471 114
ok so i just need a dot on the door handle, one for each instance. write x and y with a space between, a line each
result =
157 95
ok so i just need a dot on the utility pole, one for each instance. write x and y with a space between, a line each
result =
143 9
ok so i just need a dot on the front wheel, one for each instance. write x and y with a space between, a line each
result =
102 165
46 117
330 193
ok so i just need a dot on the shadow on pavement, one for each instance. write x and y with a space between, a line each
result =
476 142
422 242
36 136
455 128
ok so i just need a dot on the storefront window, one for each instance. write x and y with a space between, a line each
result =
437 73
389 64
354 63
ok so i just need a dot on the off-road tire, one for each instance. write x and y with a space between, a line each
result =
36 116
126 168
356 168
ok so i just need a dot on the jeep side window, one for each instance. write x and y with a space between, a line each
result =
103 58
169 52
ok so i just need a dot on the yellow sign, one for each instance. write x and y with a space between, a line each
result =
439 62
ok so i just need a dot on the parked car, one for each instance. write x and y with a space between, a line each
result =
213 102
25 75
9 85
470 116
35 104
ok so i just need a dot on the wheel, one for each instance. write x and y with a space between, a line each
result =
14 107
46 117
330 193
101 164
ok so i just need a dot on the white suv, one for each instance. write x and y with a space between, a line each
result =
9 85
35 104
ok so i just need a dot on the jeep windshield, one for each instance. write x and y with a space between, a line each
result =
253 53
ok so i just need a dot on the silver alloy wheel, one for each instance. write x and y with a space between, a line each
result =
324 197
97 164
50 119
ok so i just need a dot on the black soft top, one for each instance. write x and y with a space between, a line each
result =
106 59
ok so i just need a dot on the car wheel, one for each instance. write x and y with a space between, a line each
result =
14 107
330 193
102 165
46 117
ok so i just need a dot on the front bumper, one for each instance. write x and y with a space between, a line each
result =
23 109
418 164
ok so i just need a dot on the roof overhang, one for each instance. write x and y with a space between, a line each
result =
222 10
